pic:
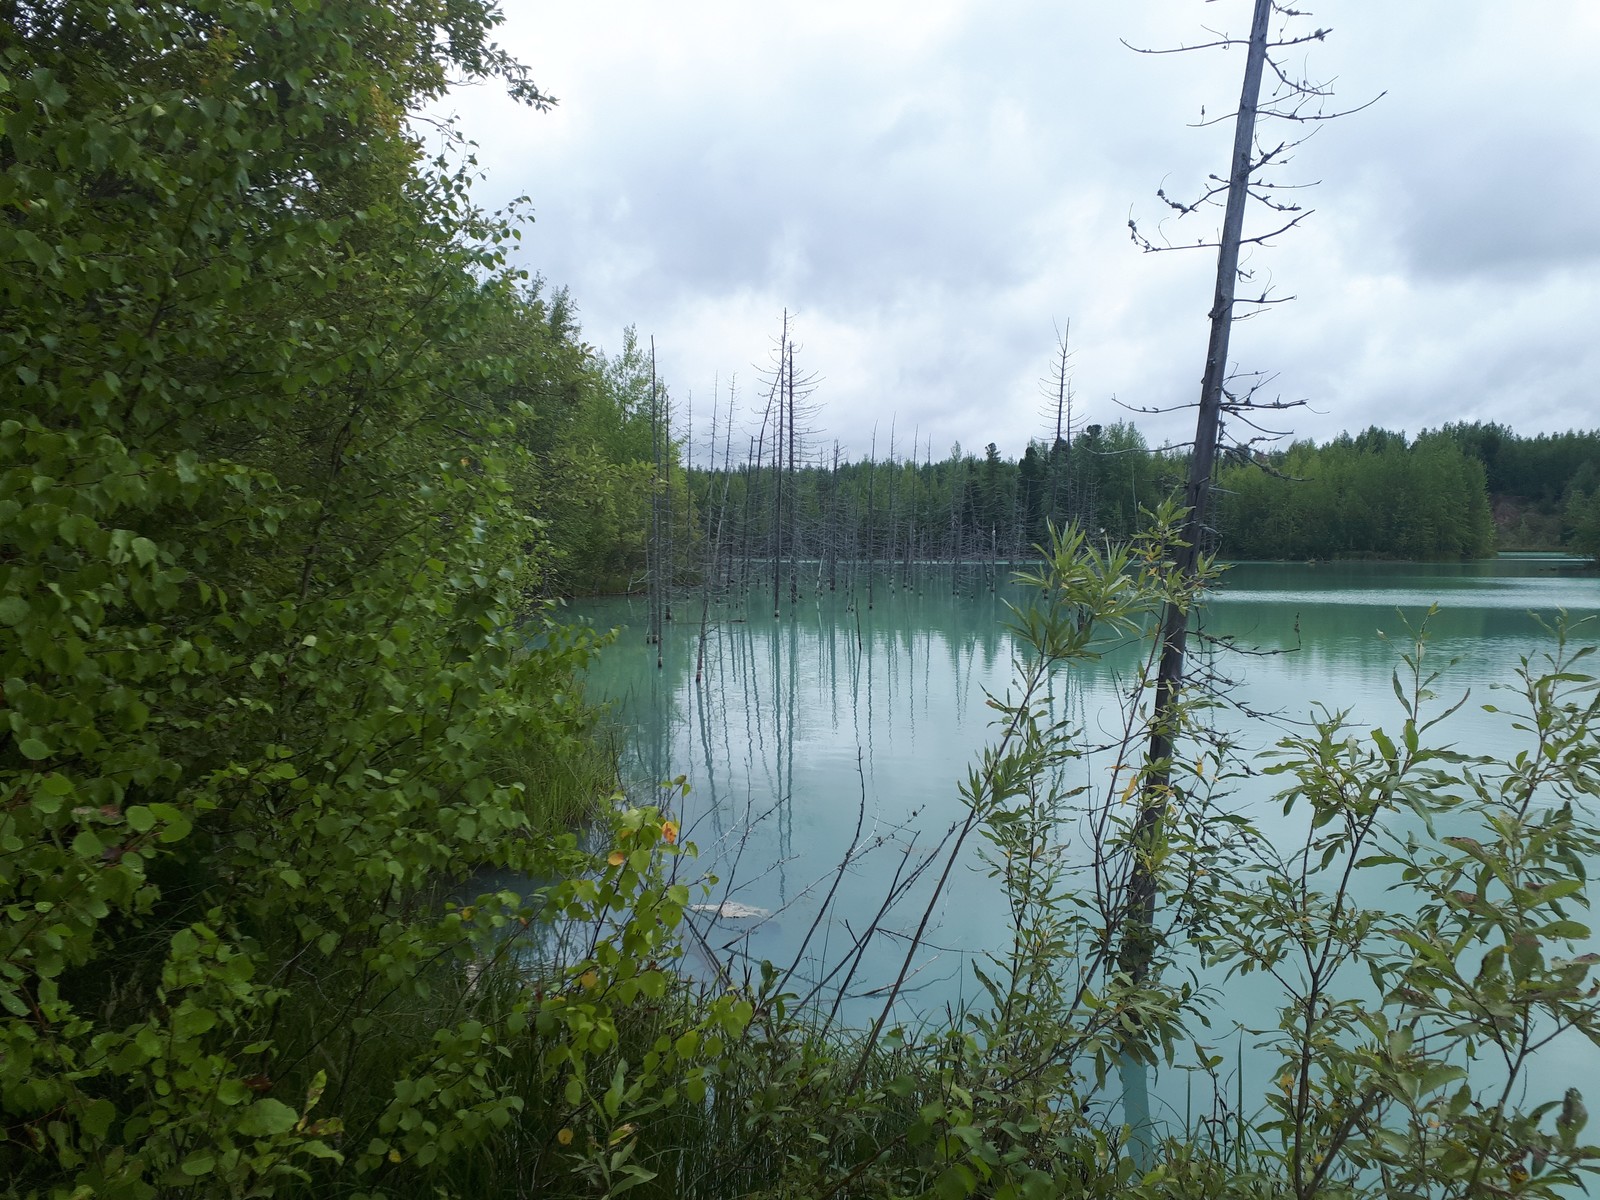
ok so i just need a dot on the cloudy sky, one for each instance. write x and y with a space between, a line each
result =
933 189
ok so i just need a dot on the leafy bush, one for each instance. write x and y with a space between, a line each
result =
270 673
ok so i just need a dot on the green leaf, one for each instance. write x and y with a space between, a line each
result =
97 1117
1557 889
1437 1077
633 1176
266 1118
177 825
13 610
192 1022
957 1182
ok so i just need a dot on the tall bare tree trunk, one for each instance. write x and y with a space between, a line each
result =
1139 937
794 487
871 546
911 511
656 567
784 364
1137 944
833 523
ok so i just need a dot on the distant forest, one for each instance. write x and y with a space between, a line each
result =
1460 492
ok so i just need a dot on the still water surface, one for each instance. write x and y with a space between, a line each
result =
838 726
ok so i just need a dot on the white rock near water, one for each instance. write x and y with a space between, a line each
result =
731 910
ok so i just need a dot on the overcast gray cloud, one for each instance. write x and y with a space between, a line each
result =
931 188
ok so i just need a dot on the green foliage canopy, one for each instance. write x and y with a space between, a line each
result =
1375 494
268 465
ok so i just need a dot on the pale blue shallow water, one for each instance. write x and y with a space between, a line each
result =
837 726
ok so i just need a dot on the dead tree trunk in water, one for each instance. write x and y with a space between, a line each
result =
1138 937
911 510
794 488
891 550
668 555
752 474
872 466
1059 506
839 516
777 474
713 557
657 568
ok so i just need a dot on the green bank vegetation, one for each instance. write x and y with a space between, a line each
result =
288 458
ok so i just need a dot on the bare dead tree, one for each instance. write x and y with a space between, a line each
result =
912 524
794 489
785 364
872 465
834 532
656 568
752 471
927 521
1300 104
1296 101
788 417
714 543
1057 387
891 550
1062 504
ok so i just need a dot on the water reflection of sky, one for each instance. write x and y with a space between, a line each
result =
1521 594
837 711
840 730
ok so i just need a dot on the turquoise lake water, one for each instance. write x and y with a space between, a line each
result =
838 729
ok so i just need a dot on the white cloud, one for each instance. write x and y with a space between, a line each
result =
931 187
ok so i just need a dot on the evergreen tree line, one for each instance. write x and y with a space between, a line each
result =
1372 495
1543 470
1545 489
1375 494
810 523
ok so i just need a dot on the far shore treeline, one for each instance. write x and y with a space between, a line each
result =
1461 492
